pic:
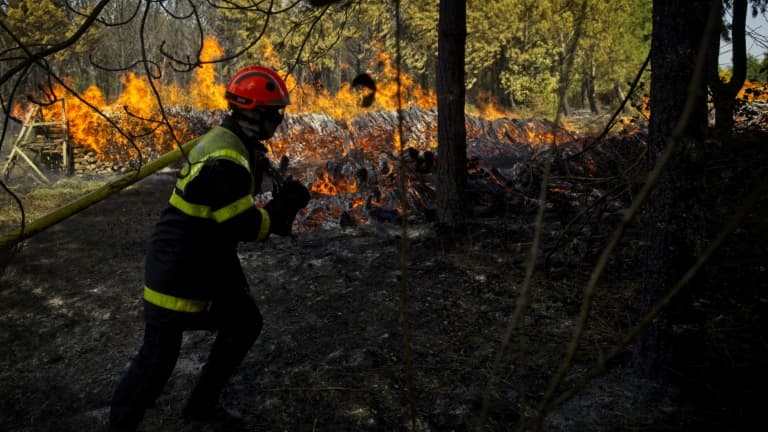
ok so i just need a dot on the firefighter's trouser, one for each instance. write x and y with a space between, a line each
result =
238 322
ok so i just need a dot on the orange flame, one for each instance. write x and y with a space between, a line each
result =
325 185
489 108
136 110
752 91
207 93
347 101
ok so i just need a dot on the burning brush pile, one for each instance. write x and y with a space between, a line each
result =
354 158
353 166
354 171
117 150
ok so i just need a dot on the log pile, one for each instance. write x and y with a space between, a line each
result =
88 163
317 138
115 155
353 166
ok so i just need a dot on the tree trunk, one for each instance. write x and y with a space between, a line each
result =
451 130
566 63
724 94
619 93
591 92
678 29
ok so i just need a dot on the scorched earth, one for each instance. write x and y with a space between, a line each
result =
333 352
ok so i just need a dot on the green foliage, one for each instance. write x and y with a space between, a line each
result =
518 45
763 71
514 48
757 70
32 25
615 44
35 23
509 46
419 47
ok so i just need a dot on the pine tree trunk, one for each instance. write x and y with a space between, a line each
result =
678 29
724 93
451 130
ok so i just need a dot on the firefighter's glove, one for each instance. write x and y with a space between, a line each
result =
293 196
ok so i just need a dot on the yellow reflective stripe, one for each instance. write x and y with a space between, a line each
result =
196 210
177 304
187 174
230 154
204 211
265 222
233 209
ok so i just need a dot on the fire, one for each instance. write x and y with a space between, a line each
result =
411 93
753 91
346 102
137 90
207 93
269 57
357 202
136 111
91 121
325 185
84 126
493 111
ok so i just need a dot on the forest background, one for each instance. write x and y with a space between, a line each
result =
515 53
544 59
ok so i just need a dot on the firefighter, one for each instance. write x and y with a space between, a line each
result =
193 276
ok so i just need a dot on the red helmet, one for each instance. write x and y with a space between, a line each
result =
256 86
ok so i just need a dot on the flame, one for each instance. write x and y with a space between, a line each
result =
493 111
489 107
357 202
752 91
84 125
91 121
311 97
136 110
411 94
207 94
325 185
269 56
137 90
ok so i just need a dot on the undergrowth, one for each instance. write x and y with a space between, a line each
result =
37 200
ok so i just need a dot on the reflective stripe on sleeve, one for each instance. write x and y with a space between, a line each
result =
177 304
227 154
233 209
204 211
265 223
196 210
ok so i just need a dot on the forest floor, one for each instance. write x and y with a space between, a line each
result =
331 355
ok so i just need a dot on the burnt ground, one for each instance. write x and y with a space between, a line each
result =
331 355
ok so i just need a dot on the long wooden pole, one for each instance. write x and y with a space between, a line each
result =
12 239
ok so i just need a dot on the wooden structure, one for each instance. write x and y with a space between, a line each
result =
43 144
13 239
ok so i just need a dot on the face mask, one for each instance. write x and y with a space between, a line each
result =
273 114
252 130
261 122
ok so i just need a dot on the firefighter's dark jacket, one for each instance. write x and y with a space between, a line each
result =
191 256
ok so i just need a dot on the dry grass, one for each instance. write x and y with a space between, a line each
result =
38 200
